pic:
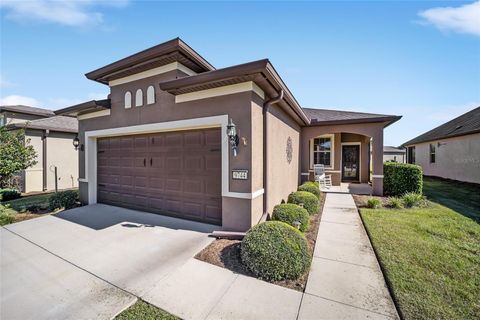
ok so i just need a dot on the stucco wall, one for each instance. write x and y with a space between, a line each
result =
369 130
33 176
456 158
283 177
394 157
243 108
61 153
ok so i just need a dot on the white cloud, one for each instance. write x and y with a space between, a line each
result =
16 100
70 13
463 19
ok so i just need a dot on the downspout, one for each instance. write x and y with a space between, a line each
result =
266 108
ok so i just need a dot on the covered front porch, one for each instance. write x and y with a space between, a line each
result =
349 145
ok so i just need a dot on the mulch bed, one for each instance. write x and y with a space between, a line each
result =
226 254
361 200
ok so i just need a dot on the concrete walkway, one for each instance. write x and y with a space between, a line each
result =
345 280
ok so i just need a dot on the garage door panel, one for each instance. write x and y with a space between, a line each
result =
176 173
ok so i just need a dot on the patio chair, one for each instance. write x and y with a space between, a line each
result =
324 180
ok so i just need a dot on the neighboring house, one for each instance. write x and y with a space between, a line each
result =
394 154
450 151
52 137
160 142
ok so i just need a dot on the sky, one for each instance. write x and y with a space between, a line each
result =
418 59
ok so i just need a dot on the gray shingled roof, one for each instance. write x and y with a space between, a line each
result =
390 149
56 123
467 123
327 116
28 110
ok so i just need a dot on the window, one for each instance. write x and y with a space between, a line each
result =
322 151
128 100
432 153
139 98
150 95
2 120
411 155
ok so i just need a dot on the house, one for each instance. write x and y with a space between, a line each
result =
394 154
451 150
177 136
51 136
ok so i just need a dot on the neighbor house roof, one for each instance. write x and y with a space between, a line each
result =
390 149
28 110
261 72
327 116
85 107
467 123
55 123
159 55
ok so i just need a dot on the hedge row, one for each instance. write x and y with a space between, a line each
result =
400 178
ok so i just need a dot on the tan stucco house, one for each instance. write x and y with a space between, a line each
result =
451 150
163 141
51 136
394 154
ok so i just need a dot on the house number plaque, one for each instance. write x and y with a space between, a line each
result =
239 174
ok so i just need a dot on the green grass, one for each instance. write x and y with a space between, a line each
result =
21 204
460 197
431 255
144 311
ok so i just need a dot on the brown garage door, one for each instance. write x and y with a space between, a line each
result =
173 173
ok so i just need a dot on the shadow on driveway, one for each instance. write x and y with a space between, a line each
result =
101 216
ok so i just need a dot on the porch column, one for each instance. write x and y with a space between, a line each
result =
377 163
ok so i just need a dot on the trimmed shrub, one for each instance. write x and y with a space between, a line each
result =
309 201
412 199
63 199
290 212
274 250
311 187
395 203
6 217
400 178
373 203
9 194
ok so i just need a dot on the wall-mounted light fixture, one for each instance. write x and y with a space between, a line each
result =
76 144
233 137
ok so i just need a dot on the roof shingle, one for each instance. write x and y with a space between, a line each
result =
27 110
467 123
56 123
327 116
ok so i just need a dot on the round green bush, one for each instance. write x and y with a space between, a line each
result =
311 187
290 212
309 201
63 199
274 250
9 194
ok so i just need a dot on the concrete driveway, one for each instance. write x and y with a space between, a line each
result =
90 262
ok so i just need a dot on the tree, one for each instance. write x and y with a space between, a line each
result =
15 154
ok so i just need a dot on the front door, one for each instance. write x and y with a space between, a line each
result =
350 162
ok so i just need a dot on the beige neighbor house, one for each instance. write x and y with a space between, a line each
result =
52 137
450 151
177 136
394 154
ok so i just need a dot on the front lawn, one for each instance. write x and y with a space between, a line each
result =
144 311
463 198
430 255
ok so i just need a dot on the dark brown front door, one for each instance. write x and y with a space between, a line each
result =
350 162
173 173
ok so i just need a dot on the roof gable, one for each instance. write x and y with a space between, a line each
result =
28 110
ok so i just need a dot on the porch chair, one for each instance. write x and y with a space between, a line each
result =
324 180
